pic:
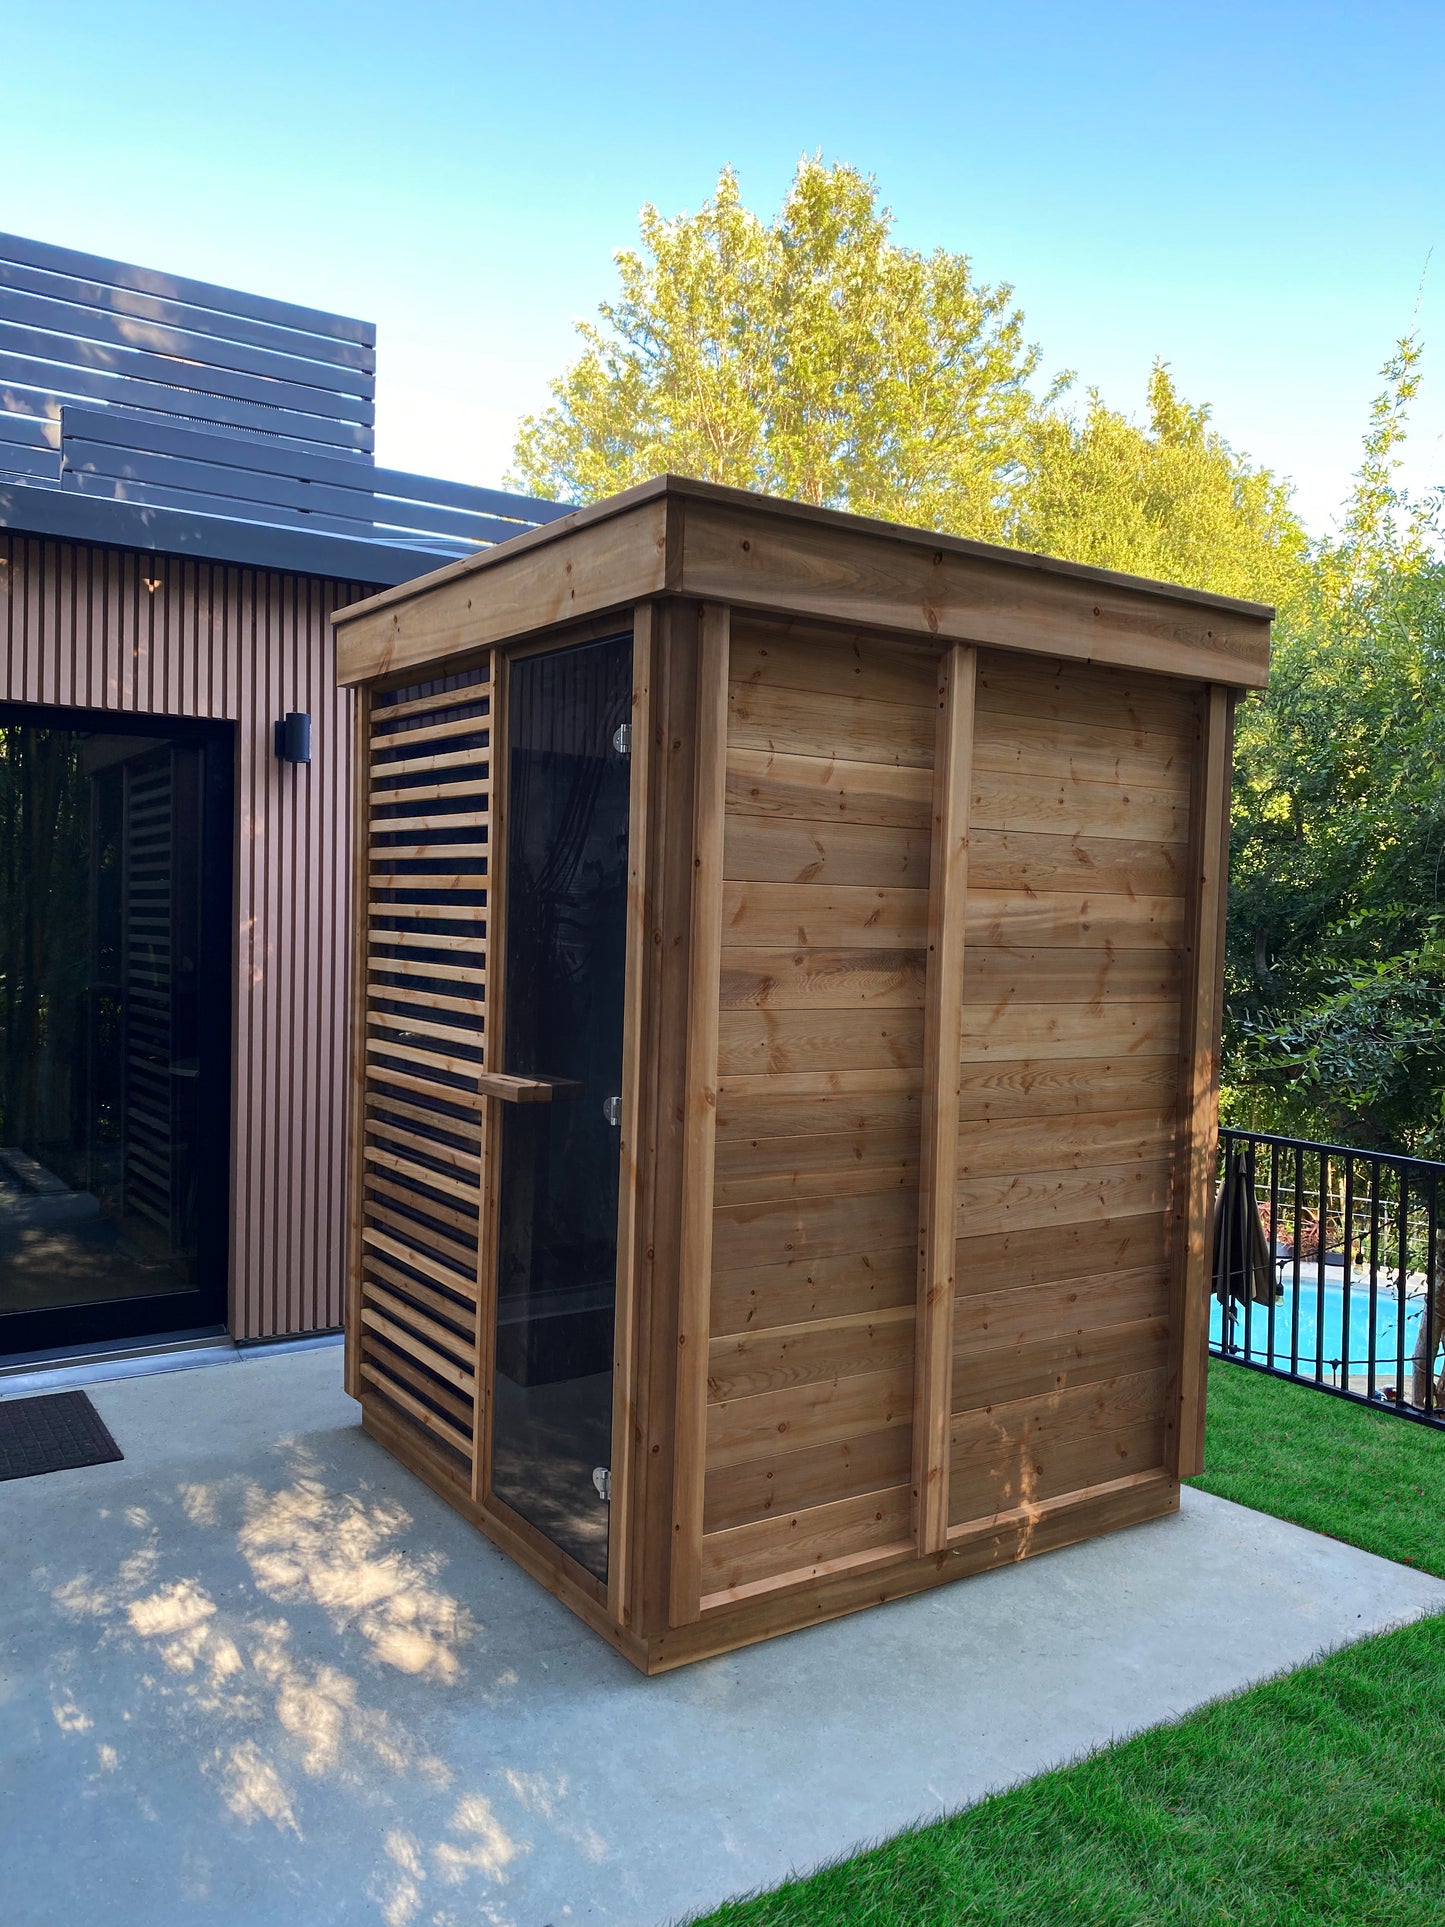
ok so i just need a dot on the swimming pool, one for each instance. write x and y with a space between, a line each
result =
1327 1339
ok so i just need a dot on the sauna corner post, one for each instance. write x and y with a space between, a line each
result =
1199 1080
942 1051
489 1115
700 1114
356 1068
633 1187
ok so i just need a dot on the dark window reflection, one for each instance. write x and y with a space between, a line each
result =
566 828
100 852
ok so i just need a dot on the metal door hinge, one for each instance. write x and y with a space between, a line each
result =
602 1479
622 739
612 1111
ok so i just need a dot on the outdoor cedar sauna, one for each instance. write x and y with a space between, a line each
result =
785 1051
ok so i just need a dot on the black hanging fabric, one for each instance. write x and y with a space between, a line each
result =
1243 1262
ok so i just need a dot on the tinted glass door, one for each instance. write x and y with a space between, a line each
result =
114 1032
564 952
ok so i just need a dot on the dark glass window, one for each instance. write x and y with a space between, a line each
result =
566 830
109 1019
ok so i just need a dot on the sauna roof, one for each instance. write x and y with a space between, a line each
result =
676 536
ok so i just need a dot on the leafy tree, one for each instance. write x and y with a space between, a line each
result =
812 358
1336 964
815 358
1172 500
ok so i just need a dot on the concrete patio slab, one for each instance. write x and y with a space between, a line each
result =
258 1674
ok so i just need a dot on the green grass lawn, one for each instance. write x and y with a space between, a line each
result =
1364 1476
1317 1798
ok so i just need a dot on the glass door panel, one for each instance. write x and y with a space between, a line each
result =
114 1058
566 828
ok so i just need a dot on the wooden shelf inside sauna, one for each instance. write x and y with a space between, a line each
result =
785 1049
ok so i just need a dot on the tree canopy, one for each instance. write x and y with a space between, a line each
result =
815 357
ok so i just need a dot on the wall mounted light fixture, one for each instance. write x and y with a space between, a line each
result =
293 737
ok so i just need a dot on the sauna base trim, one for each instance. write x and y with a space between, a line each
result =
974 1548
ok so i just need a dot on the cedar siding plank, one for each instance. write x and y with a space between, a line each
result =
1111 1030
992 1148
1045 1087
1001 1374
778 849
810 723
821 978
799 1542
790 1481
828 789
1064 1307
998 975
760 1297
795 655
778 914
750 1363
743 1428
1029 860
760 1041
1020 1257
1031 1198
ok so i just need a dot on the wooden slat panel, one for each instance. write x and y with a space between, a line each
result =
411 1170
791 655
834 1156
1025 861
1016 1259
1055 1087
768 915
1079 694
779 849
993 1147
1061 1197
1001 1374
745 1428
799 1290
988 1319
757 1042
797 1356
796 1543
821 978
1056 750
1035 1450
1062 807
760 1234
816 723
998 918
792 1103
998 976
1111 1030
788 1481
815 788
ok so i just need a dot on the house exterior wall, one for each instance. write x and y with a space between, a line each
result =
99 628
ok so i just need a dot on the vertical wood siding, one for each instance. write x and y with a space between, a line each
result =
98 628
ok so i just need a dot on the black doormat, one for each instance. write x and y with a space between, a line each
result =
55 1433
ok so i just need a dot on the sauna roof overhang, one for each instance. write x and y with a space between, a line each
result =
674 536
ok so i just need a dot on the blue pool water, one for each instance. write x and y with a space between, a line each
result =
1338 1343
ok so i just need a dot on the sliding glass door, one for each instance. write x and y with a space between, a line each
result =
115 947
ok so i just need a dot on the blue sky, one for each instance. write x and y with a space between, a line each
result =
1251 191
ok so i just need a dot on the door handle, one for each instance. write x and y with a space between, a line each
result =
525 1090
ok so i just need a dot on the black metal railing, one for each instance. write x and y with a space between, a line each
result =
1329 1269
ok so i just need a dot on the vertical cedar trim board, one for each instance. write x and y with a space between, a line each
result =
924 913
